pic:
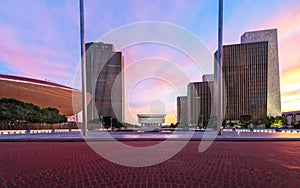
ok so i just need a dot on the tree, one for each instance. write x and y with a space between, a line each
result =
108 121
224 122
245 120
12 110
266 121
246 117
205 123
172 125
284 121
254 121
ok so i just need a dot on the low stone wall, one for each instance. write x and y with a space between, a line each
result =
38 131
37 126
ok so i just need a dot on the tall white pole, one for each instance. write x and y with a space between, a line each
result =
83 69
219 70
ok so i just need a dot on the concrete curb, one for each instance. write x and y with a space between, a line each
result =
147 139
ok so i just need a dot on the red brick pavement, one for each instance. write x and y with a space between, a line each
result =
224 164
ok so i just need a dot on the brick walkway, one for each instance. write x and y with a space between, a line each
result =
224 164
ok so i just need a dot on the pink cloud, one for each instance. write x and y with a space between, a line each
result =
288 24
33 44
28 61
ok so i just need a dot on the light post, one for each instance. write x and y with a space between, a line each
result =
202 120
219 106
83 69
101 121
111 124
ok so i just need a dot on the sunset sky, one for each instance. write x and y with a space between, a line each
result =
40 39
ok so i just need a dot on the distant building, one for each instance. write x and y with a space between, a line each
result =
104 73
199 101
251 75
151 119
292 114
182 110
208 78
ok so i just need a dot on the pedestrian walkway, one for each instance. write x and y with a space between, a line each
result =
223 164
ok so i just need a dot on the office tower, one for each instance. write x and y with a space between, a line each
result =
199 99
104 81
251 75
273 80
182 110
245 68
251 80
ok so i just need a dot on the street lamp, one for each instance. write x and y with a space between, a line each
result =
219 80
83 69
101 121
202 120
111 124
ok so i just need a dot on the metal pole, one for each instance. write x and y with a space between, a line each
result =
83 69
111 127
220 74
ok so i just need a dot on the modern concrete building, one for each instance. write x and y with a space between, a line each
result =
273 80
104 81
182 110
251 75
251 79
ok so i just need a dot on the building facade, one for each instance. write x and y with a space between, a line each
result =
251 76
273 80
105 81
199 99
245 71
182 110
251 79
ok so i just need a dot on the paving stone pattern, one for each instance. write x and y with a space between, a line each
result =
224 164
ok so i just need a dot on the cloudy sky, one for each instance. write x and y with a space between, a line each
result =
40 39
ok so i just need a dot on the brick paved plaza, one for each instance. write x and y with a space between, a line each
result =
224 164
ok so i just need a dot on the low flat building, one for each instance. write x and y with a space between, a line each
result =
151 119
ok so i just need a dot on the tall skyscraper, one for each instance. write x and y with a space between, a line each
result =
104 81
245 71
251 75
273 80
251 78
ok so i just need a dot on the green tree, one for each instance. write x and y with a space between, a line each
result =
266 121
224 122
284 121
108 121
14 110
